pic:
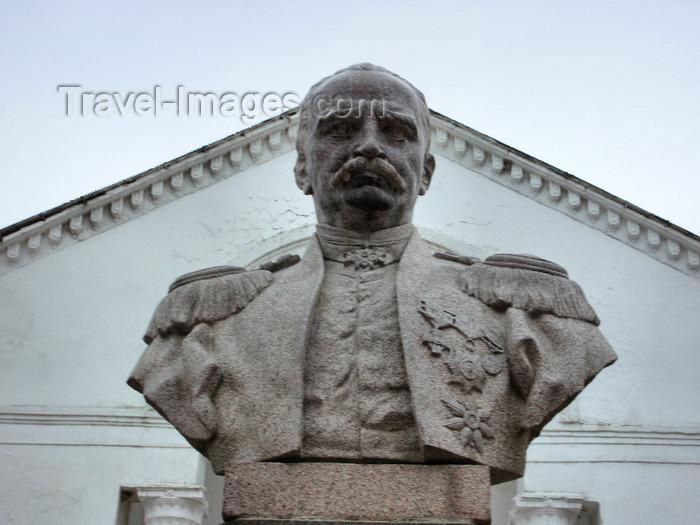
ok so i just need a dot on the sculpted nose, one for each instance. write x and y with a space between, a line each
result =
368 144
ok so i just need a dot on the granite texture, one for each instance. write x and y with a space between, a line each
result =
343 491
277 521
476 399
370 348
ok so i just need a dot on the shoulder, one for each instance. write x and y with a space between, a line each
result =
526 282
529 283
209 295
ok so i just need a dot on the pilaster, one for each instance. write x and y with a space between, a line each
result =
547 508
173 505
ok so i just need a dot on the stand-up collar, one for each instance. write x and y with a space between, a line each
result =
346 246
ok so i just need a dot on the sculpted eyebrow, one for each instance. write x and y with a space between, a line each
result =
402 118
335 113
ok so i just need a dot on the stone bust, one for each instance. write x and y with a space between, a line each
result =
370 348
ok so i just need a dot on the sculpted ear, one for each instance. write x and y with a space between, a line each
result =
428 168
302 178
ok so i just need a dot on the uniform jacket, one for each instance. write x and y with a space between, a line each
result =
492 351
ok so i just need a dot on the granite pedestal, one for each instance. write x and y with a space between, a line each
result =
329 493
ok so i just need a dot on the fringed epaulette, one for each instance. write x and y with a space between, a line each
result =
529 283
206 296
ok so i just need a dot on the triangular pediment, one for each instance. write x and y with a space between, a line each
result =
132 198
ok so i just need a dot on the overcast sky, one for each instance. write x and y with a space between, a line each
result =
607 91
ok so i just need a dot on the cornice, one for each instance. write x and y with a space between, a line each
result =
143 427
134 197
567 194
87 426
100 211
615 444
82 416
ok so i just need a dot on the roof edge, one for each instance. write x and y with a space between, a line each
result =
39 217
574 179
557 189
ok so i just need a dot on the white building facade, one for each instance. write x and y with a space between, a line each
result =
79 283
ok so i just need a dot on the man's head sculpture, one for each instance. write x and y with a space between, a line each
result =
362 146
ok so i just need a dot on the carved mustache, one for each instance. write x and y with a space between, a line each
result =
377 166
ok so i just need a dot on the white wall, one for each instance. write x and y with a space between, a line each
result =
71 324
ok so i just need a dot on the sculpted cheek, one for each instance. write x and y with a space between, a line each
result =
319 156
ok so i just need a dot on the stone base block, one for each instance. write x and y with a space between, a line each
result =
327 492
275 521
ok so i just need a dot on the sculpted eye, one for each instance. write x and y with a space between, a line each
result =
340 130
337 128
397 133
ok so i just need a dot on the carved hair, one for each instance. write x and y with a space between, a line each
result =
305 110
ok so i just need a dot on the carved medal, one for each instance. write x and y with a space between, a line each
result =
470 422
473 357
467 370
